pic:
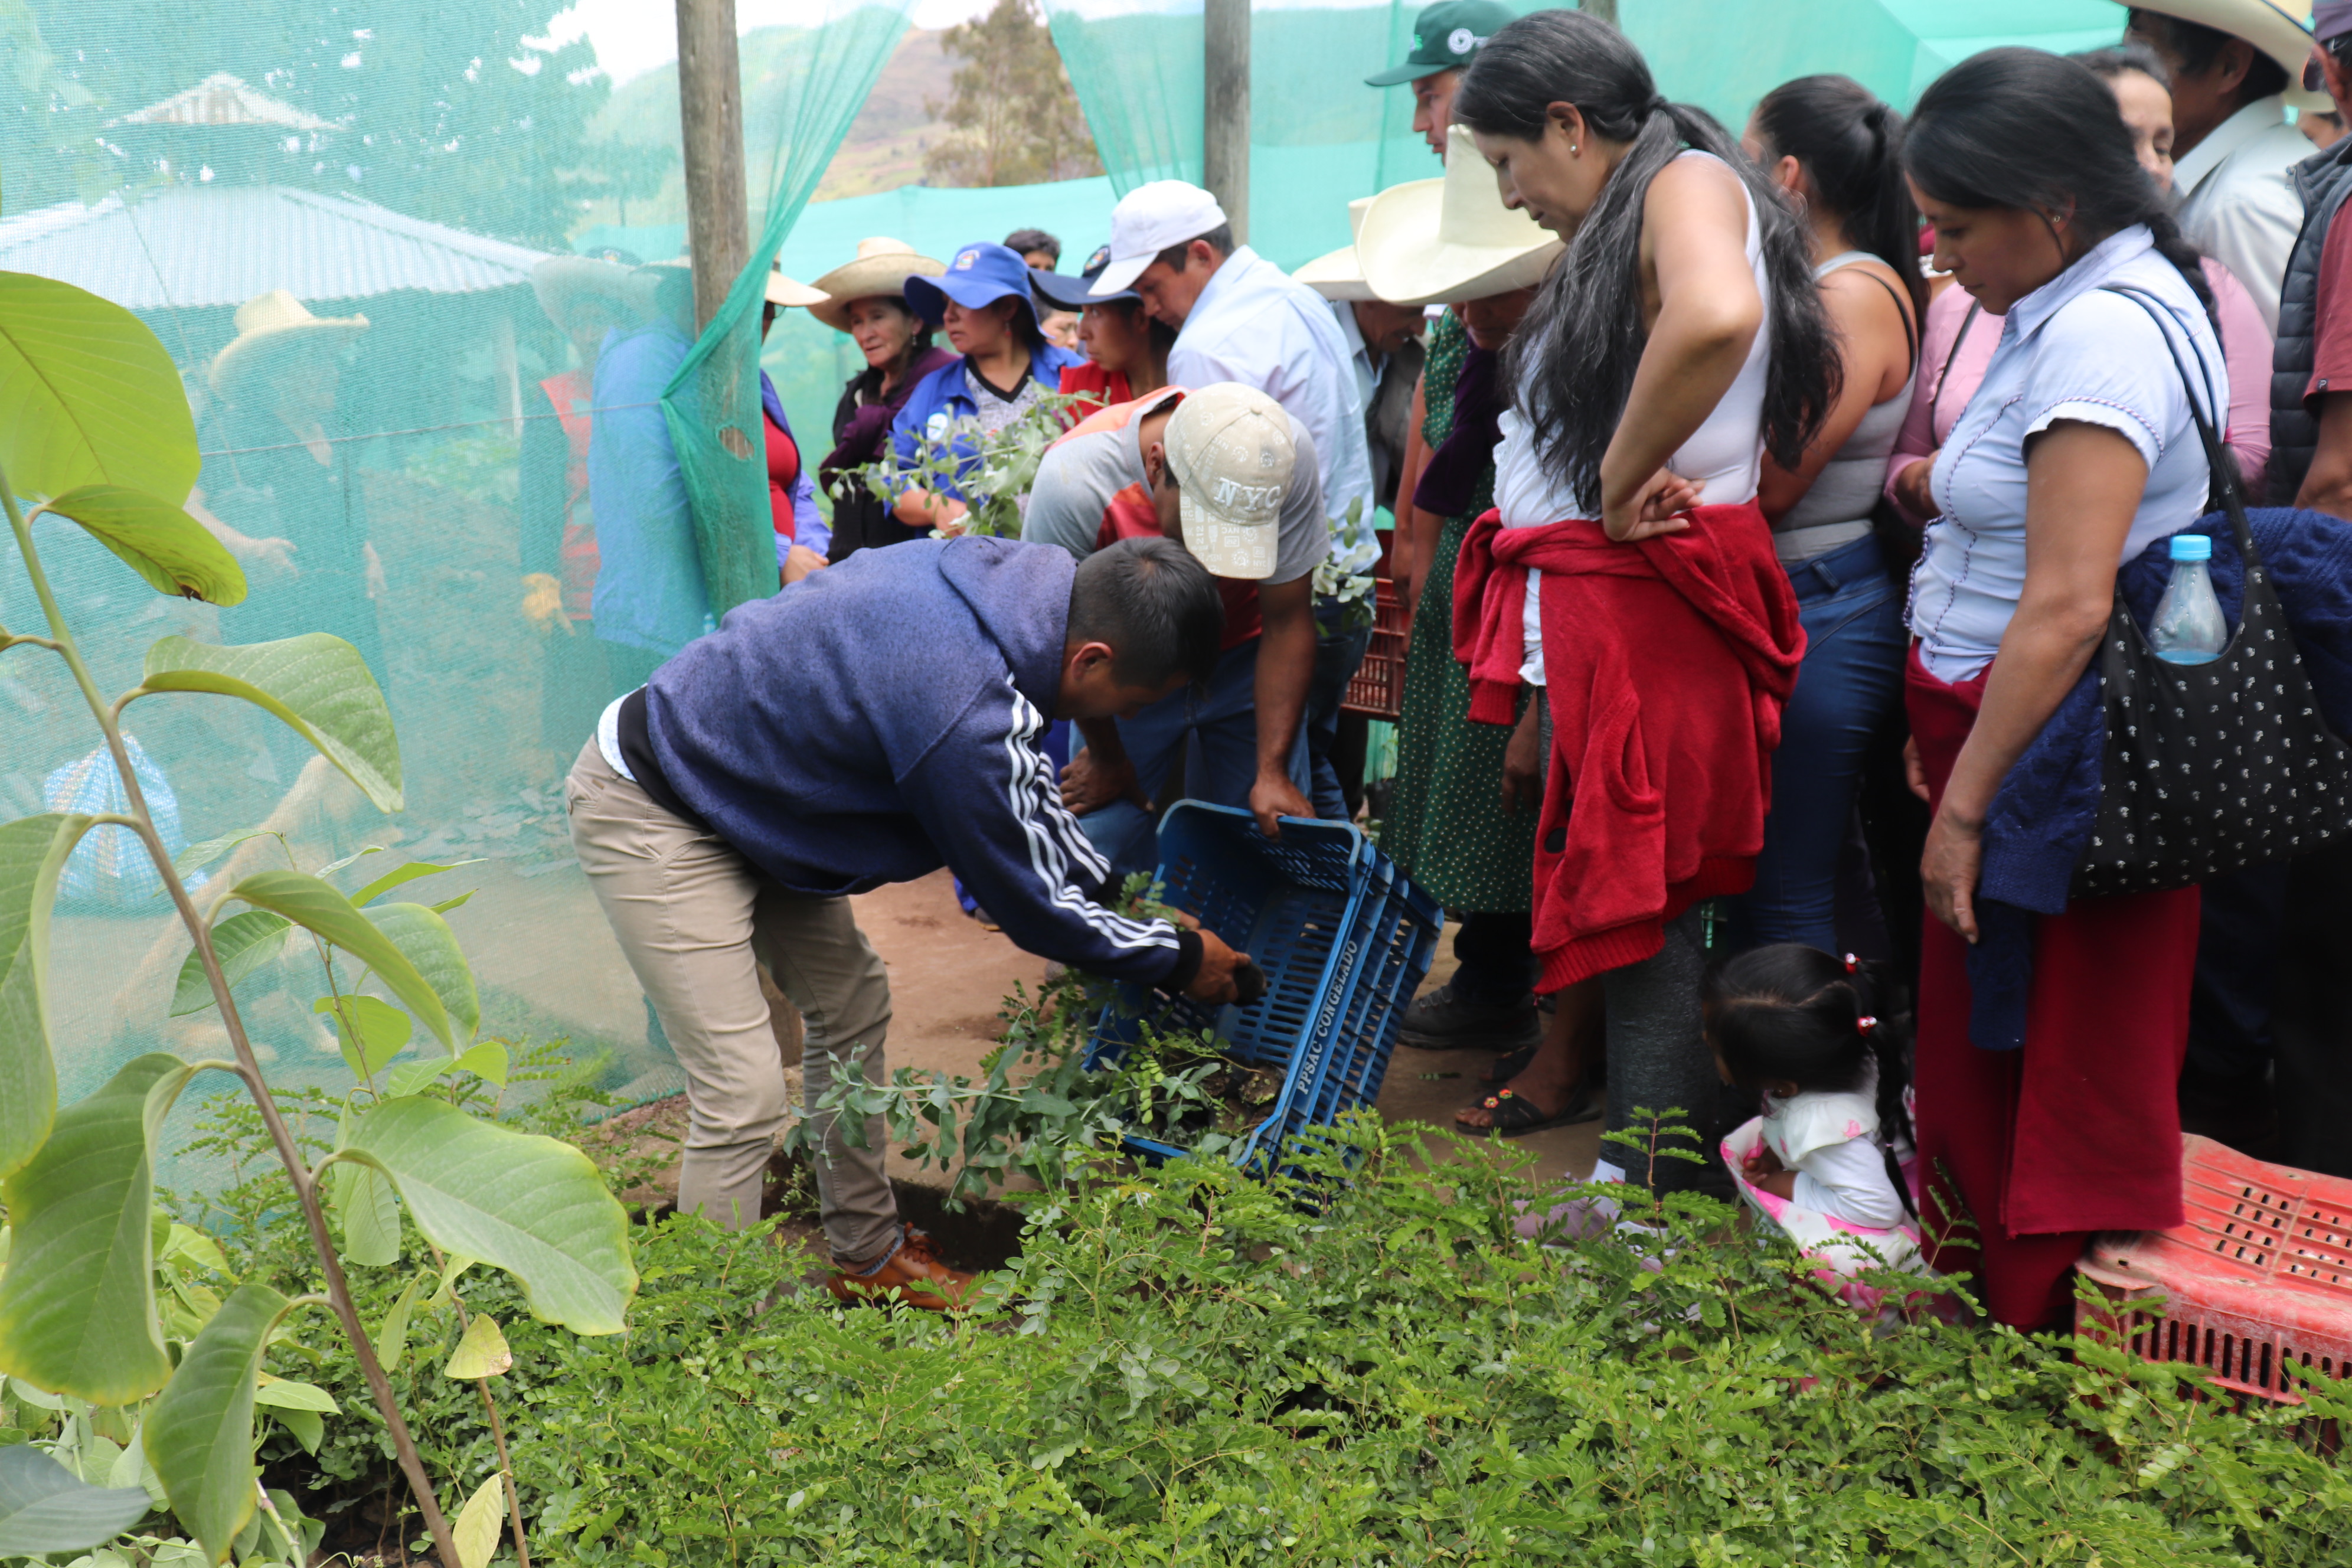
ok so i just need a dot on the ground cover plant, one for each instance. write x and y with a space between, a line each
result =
1188 1366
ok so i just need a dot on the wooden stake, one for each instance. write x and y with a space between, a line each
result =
1226 119
710 114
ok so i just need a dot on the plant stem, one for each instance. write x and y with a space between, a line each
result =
497 1427
305 1190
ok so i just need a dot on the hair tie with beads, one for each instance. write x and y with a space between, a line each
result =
1866 1023
1852 964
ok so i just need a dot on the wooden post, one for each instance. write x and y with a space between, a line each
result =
1225 105
710 114
1606 10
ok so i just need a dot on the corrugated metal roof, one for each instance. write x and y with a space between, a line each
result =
191 246
223 99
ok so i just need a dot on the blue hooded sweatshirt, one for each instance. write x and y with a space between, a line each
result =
884 717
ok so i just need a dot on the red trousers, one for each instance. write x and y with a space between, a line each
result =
2079 1131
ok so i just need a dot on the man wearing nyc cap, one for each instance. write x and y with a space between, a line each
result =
1445 38
2235 65
1230 474
1240 318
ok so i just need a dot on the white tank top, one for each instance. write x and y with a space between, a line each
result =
1724 456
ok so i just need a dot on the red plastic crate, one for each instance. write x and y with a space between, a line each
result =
2255 1287
1378 689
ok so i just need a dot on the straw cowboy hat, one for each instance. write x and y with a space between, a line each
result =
1434 242
880 271
1339 275
563 283
277 320
2279 28
786 291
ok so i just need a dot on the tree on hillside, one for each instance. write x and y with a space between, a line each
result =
1017 119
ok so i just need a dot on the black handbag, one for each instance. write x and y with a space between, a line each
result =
2211 768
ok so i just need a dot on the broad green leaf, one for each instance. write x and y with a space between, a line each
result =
308 1427
196 857
445 905
174 552
42 1507
38 1398
32 853
402 876
392 1335
315 906
285 1393
243 943
482 1353
185 1244
199 1433
368 1213
77 1303
487 1061
414 1078
475 1532
132 1469
317 684
353 858
531 1205
452 1265
425 939
88 396
378 1030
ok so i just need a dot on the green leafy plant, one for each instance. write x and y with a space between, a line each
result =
992 471
92 418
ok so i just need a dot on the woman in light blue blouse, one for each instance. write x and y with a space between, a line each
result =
2078 451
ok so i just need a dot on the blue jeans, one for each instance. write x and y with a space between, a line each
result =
1848 689
1218 724
1337 656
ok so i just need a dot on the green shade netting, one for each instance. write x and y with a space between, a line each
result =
427 426
712 403
1319 137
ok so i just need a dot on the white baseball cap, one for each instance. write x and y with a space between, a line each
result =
1229 447
1147 221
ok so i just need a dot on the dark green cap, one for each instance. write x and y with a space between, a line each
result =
1444 36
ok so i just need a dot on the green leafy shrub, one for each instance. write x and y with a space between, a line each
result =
1191 1367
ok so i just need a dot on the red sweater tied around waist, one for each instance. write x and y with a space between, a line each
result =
1667 663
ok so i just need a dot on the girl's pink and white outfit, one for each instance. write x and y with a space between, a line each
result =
1843 1212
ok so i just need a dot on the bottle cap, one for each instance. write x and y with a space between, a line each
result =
2191 547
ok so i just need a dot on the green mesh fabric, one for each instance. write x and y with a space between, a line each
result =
713 405
1318 136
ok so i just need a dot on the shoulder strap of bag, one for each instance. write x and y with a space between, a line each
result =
1936 401
1903 309
2224 492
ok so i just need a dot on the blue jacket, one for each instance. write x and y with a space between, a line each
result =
2043 815
884 717
942 397
650 593
809 526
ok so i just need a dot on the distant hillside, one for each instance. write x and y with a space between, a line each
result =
882 150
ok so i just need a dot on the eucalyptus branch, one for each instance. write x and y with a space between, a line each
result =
248 1066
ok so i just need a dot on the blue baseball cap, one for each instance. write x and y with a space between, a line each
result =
980 275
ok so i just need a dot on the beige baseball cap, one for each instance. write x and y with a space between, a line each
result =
1229 447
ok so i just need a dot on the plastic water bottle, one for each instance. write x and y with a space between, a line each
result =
2189 628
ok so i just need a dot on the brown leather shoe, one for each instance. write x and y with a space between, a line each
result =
913 1274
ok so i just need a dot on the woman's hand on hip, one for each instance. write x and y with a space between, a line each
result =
1654 509
1949 868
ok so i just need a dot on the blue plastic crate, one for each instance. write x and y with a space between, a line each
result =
1344 941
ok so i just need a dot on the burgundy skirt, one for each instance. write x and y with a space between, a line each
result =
2025 1153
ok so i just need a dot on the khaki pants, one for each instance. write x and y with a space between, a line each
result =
694 918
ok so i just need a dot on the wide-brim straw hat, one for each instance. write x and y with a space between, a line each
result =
880 271
2279 28
274 322
1440 242
564 283
1339 274
788 291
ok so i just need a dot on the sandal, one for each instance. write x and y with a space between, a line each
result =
1515 1114
1509 1065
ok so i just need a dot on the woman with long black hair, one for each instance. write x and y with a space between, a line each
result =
1627 570
1834 149
2078 451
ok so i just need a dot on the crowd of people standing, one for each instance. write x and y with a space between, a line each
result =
1760 502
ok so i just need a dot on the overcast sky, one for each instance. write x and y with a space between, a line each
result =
634 36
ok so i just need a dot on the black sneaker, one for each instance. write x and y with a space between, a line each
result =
1441 1021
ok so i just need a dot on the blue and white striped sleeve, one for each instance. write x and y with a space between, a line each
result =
989 797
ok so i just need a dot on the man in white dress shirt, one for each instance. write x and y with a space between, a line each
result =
1240 318
2235 65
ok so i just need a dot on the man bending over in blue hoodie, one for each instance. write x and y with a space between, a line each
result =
867 725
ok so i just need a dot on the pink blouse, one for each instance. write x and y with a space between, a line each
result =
2245 347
